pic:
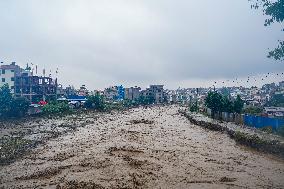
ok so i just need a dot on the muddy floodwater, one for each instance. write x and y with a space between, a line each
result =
142 148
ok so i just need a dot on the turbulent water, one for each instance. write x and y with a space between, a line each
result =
142 148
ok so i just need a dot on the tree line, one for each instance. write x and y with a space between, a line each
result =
222 103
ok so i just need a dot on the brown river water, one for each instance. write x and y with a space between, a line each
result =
143 148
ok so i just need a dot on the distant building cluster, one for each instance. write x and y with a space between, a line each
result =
253 97
24 83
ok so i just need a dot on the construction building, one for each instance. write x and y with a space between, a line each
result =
35 88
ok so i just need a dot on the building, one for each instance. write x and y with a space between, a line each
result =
83 91
132 93
111 93
120 92
155 92
114 93
8 74
23 84
70 91
274 111
35 88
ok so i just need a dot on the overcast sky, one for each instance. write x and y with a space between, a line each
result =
186 43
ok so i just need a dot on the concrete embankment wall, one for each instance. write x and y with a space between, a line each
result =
258 140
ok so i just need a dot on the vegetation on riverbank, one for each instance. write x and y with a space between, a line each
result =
12 148
11 106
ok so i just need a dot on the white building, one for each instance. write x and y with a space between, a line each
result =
8 75
274 111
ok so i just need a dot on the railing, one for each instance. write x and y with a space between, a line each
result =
251 120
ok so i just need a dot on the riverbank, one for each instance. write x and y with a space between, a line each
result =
251 137
155 147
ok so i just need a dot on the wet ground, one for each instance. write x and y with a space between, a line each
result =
142 148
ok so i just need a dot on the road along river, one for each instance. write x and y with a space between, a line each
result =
143 148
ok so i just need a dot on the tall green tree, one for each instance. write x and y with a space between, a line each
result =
5 100
238 105
274 10
12 107
227 105
214 102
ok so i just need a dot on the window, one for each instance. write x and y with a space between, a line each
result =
3 71
12 87
3 79
12 79
12 70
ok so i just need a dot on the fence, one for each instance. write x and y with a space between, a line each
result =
260 122
251 120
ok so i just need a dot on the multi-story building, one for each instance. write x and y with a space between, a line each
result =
35 88
8 74
120 92
155 92
132 93
158 93
23 84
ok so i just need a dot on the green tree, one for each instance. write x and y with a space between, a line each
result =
194 107
11 107
238 104
5 100
227 105
214 102
276 100
96 102
20 107
146 100
275 12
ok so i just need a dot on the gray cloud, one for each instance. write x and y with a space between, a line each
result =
132 42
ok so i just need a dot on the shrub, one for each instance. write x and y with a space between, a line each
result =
56 108
194 107
253 110
11 148
267 129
